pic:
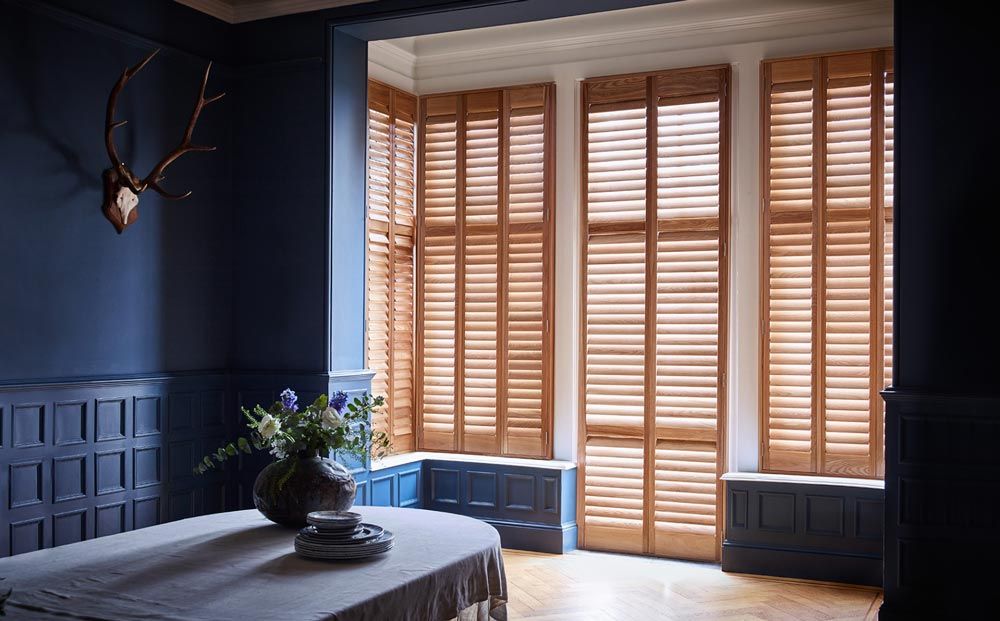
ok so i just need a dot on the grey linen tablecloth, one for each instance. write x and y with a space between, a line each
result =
238 565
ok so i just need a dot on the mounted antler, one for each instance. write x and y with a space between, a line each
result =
121 185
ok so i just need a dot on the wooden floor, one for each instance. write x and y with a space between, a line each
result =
591 585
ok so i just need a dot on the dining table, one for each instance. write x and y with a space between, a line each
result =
240 566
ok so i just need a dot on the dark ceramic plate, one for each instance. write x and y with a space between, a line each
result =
332 519
363 532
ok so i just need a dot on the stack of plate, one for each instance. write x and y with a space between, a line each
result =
340 535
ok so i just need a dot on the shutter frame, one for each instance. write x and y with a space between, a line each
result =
485 223
619 236
391 357
848 96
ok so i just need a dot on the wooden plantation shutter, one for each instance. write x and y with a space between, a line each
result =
827 262
655 188
486 243
391 227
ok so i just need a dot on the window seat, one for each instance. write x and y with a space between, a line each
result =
799 526
531 502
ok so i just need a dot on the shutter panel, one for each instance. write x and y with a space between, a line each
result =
379 247
847 304
654 297
827 254
482 161
788 266
614 365
439 306
390 192
688 318
403 244
529 274
487 244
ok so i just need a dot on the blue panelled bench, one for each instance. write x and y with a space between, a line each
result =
532 503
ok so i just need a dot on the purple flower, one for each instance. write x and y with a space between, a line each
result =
338 400
289 399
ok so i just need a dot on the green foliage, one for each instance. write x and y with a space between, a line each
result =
326 425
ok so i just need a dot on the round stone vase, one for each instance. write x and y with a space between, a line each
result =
287 490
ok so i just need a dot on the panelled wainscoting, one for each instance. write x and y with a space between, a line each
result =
816 528
85 459
941 517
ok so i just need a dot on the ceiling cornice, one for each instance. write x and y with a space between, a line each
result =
392 57
252 10
427 58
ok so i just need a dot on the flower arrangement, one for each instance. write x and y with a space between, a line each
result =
328 424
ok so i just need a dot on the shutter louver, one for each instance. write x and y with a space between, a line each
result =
826 254
487 241
656 192
390 194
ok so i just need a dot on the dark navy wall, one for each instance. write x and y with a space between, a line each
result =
280 210
78 299
942 479
113 349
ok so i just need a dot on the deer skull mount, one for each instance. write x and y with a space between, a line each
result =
121 186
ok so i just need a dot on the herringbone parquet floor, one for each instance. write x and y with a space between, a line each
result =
592 586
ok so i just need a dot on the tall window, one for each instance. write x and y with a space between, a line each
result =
484 304
391 232
827 262
656 224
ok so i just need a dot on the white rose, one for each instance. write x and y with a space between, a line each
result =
331 419
268 426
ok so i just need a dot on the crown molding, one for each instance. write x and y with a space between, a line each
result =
427 62
392 57
237 12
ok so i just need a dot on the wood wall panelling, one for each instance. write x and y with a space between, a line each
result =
99 457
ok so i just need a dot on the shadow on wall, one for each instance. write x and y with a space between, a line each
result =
79 299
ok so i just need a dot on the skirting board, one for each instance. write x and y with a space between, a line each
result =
535 537
808 565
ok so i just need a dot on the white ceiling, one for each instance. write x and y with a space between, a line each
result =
236 11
